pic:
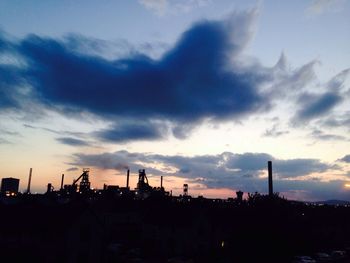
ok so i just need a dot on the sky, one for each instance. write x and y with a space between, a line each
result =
202 92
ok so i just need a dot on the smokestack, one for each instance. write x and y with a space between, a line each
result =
161 181
269 163
127 178
49 188
62 181
29 180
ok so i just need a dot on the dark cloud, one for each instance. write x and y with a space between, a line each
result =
9 92
249 162
117 160
132 131
316 105
181 131
211 167
299 167
72 141
255 162
345 159
189 83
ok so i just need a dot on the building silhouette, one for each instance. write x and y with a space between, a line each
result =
9 186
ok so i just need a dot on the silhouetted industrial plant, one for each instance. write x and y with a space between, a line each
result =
148 224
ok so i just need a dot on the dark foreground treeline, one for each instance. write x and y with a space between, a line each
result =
49 229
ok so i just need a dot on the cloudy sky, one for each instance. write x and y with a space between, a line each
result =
202 92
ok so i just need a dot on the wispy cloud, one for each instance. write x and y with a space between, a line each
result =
58 132
320 135
7 135
274 132
72 141
72 169
157 6
162 7
337 120
319 7
4 141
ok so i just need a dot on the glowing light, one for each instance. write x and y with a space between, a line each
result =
347 185
222 243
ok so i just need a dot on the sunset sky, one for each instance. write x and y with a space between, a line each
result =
203 92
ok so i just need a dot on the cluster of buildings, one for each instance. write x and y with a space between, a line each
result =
82 186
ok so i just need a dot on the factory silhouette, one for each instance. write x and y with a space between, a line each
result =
10 186
149 224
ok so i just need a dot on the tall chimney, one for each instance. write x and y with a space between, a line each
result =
62 181
127 178
29 180
49 188
161 181
269 163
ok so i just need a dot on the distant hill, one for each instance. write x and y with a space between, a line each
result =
333 202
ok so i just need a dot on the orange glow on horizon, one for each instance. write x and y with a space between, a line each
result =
347 185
